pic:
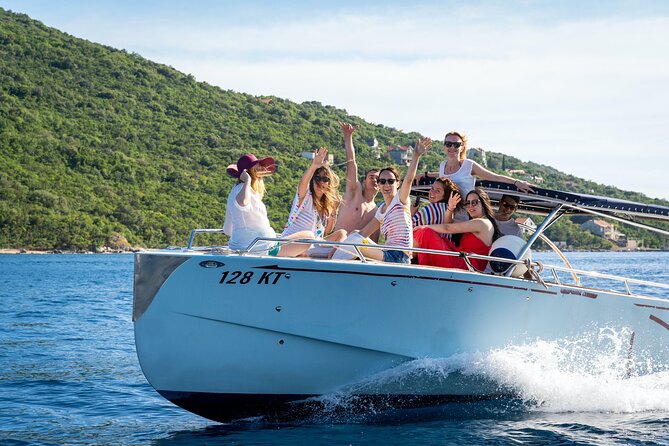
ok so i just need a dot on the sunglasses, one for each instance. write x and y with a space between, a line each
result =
450 144
320 179
509 205
387 180
472 203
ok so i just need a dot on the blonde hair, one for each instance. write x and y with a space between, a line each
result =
463 148
328 203
257 181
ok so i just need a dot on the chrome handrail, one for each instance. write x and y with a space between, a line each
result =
554 269
193 232
595 274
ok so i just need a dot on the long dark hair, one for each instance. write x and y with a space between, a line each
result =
449 186
487 209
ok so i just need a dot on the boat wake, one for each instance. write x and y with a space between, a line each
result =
591 374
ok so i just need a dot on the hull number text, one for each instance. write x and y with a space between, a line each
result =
246 277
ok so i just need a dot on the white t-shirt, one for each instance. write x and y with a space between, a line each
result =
509 227
244 223
462 177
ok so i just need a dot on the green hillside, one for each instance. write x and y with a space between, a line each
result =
98 145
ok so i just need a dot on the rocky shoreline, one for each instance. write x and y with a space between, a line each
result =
60 251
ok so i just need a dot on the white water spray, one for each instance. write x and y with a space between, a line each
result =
587 374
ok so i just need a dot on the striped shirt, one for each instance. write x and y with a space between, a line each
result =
430 214
304 217
396 223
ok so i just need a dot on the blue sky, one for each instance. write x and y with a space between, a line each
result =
582 86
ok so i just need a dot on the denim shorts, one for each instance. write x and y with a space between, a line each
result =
395 256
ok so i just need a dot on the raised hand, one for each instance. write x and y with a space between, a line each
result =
453 200
422 146
348 129
523 186
320 158
244 176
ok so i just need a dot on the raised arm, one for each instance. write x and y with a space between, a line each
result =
485 174
244 196
352 183
422 146
318 161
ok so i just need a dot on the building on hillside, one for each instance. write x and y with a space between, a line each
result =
401 154
520 174
526 224
310 156
631 244
536 179
604 229
373 144
478 154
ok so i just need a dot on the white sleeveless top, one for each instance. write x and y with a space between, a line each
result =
245 223
304 218
462 177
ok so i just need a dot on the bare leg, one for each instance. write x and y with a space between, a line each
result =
337 236
296 249
372 253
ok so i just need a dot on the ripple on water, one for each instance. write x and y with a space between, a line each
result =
69 375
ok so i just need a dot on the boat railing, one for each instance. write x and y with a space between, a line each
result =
254 249
625 281
535 268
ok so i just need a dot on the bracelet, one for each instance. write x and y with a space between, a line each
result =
449 209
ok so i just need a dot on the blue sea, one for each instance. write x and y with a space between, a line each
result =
69 375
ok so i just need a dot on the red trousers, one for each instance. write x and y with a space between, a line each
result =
428 238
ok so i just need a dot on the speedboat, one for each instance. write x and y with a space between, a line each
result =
234 334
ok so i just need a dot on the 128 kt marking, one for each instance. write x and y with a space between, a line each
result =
245 277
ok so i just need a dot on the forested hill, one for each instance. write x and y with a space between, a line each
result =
98 145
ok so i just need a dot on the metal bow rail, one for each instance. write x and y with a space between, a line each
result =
534 267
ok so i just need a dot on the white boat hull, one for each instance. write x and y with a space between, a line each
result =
230 336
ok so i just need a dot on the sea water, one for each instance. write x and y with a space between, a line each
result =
69 375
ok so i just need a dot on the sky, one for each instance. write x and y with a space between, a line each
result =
582 86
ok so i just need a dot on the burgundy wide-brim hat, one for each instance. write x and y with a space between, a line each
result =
249 160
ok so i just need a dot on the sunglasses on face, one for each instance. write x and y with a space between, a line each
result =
320 179
387 180
450 144
472 203
509 205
